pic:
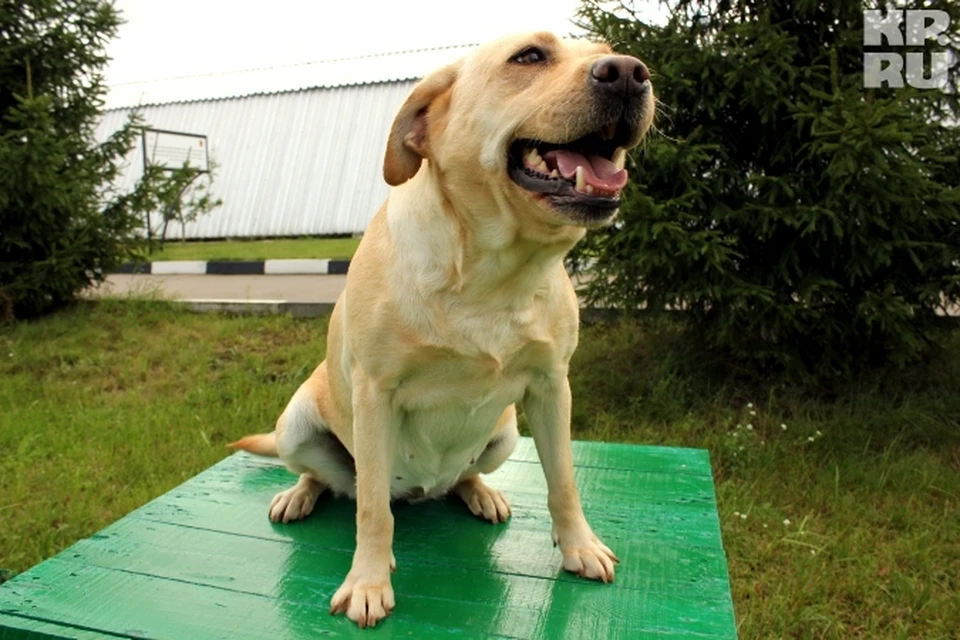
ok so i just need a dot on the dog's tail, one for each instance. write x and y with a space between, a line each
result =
262 444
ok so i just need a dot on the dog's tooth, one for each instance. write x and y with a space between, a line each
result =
581 180
554 174
589 188
542 167
530 159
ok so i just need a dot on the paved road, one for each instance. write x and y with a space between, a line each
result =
288 288
300 288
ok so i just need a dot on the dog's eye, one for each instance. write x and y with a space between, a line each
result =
530 55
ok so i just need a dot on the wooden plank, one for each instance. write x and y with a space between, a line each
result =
27 628
430 604
632 457
203 561
615 481
632 504
157 548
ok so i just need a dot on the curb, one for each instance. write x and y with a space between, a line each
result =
259 307
588 315
236 268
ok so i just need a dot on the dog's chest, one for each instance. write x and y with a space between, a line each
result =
450 399
476 363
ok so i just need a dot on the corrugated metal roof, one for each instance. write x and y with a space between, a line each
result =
392 67
298 149
296 163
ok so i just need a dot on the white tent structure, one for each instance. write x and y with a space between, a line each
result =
298 149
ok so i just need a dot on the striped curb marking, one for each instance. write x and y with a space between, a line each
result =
236 268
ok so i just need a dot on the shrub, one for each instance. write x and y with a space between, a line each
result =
62 227
800 220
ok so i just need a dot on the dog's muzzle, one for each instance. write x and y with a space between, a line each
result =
579 176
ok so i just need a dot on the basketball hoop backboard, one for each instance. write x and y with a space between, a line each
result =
171 150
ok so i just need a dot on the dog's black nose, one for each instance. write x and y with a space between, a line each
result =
620 75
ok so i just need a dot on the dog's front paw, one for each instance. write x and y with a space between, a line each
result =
366 597
296 502
585 555
483 501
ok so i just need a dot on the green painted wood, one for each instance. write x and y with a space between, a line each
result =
615 455
203 561
216 504
11 628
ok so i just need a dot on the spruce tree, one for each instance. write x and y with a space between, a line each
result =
62 226
798 219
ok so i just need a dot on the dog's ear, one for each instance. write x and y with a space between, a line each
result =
408 143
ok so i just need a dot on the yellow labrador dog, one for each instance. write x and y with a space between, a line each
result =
457 305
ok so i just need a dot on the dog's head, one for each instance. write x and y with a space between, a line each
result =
533 123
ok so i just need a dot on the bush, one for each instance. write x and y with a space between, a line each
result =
62 227
800 220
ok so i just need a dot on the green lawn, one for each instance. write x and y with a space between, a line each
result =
840 518
258 249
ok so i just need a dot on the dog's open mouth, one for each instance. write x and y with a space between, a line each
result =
577 175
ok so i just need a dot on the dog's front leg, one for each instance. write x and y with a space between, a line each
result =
547 406
366 594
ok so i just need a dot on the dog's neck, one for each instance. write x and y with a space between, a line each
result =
482 255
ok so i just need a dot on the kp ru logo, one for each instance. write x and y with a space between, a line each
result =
881 67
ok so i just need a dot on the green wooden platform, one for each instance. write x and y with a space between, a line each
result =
203 561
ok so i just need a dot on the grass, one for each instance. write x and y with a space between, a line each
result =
843 524
258 249
841 518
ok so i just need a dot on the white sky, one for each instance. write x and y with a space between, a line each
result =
171 38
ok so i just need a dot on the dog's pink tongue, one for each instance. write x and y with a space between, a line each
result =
597 170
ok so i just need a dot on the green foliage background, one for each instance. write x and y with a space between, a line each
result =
803 221
62 226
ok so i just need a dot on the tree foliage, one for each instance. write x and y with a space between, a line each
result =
800 219
62 224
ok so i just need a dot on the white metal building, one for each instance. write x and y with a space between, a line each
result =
298 149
